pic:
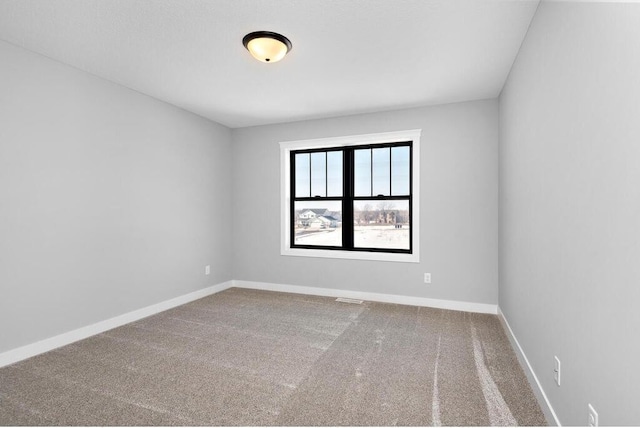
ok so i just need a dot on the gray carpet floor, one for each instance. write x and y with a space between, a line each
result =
246 357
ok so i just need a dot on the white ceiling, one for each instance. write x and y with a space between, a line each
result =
348 57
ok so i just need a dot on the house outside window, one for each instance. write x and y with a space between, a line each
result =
352 197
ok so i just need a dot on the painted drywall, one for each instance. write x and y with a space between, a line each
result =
570 206
458 213
110 201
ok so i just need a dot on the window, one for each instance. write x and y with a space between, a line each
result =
351 197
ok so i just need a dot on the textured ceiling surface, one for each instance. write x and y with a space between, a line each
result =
348 57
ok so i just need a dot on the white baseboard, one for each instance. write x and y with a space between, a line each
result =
27 351
374 297
545 404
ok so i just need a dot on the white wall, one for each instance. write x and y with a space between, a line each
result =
458 213
570 206
109 200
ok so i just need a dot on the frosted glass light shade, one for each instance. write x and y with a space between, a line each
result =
266 46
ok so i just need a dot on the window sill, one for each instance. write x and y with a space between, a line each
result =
351 255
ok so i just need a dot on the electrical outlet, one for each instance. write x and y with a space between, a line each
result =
593 417
207 269
427 278
556 370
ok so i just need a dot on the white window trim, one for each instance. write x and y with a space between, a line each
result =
354 140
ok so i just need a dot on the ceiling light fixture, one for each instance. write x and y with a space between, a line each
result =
267 46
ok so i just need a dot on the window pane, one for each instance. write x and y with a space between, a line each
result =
381 224
302 175
318 223
381 172
319 174
400 171
334 173
362 173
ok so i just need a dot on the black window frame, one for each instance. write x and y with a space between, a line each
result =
348 196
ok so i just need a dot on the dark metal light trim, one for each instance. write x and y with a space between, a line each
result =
268 34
